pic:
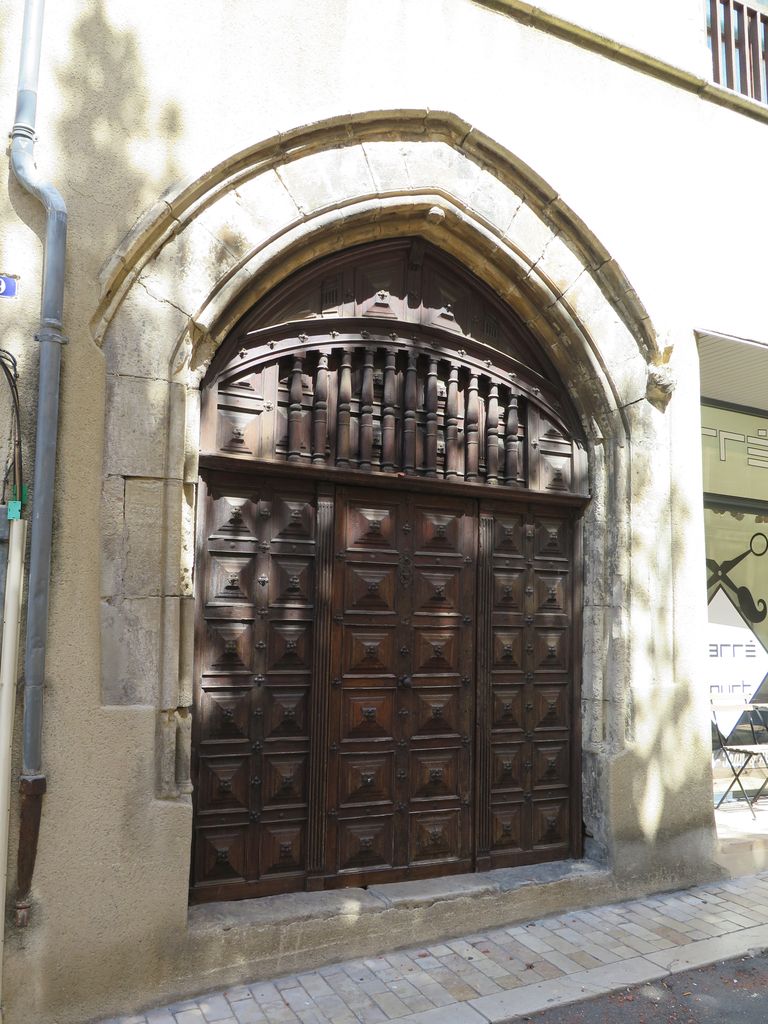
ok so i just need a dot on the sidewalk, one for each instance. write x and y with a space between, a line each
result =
504 973
742 839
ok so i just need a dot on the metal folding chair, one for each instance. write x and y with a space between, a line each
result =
745 752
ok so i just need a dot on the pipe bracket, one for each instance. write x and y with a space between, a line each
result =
26 131
34 785
51 334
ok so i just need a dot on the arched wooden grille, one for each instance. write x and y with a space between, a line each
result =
391 359
381 402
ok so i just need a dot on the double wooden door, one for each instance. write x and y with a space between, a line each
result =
385 686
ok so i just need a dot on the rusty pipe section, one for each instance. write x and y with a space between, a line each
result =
50 339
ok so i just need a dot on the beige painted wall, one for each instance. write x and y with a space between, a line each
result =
138 97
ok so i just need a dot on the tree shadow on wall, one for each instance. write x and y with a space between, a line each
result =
663 785
116 157
108 130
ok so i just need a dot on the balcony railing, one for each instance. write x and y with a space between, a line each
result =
738 40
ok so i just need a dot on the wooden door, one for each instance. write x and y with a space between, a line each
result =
402 705
528 757
255 677
385 686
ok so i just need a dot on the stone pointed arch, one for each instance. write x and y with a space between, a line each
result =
213 247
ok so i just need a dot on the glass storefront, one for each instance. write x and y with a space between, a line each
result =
735 451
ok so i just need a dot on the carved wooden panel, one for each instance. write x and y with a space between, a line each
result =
221 855
223 784
550 826
225 714
366 845
285 714
507 829
435 837
366 779
366 713
507 711
437 712
399 279
281 849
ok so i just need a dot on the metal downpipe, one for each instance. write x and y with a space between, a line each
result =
50 338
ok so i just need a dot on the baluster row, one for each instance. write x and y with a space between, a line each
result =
501 419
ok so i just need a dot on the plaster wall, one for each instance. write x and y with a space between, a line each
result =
675 33
138 98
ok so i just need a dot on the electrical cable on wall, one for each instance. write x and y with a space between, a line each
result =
10 371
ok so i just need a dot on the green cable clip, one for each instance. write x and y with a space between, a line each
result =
14 505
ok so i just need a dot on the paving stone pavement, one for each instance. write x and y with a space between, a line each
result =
503 973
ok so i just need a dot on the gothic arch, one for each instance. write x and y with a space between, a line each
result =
211 249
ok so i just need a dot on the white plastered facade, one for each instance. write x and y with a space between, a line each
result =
278 188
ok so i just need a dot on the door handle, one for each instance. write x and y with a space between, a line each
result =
405 682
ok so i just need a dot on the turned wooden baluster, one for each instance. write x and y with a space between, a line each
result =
492 437
471 429
409 416
366 412
295 393
510 442
320 411
452 425
343 411
389 403
430 459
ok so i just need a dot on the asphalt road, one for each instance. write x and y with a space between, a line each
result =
728 992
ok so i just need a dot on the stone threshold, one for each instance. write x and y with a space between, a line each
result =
293 908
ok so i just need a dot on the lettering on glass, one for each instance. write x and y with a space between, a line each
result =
756 445
737 661
723 436
732 651
757 452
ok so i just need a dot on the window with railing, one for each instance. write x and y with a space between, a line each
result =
738 40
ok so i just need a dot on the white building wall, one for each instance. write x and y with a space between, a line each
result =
135 98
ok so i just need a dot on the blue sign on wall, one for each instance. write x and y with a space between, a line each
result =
8 286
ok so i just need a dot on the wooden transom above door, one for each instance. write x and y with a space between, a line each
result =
392 360
386 686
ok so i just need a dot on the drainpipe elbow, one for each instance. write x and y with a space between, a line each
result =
26 172
29 177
